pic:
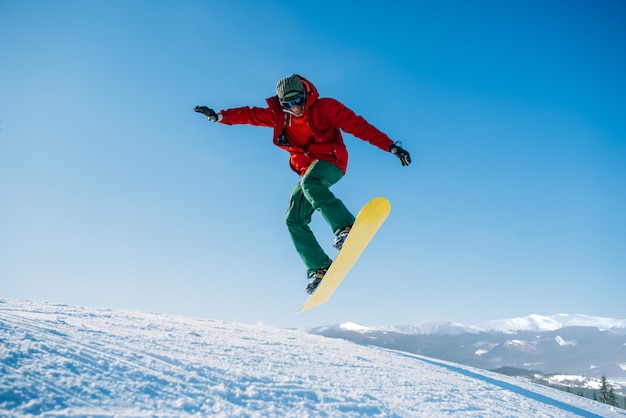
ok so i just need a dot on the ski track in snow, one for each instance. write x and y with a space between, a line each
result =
58 361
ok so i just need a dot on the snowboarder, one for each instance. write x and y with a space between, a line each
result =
308 127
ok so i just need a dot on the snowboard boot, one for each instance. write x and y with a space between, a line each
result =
316 278
341 237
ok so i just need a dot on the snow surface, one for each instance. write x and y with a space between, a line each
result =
58 360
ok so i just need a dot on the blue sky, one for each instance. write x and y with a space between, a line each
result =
115 194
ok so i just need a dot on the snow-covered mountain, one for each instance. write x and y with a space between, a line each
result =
59 361
506 326
552 323
573 344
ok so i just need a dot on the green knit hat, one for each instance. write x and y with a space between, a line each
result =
287 85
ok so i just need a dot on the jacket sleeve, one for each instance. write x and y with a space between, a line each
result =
256 116
349 122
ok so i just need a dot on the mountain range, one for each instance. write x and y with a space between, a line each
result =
578 345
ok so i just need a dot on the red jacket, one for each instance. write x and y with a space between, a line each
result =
316 134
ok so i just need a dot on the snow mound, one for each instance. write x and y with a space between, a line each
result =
58 361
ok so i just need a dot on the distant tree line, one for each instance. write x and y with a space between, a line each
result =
607 394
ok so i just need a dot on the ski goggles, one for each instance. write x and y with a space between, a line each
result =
296 99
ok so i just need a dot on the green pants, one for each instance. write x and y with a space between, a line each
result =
310 194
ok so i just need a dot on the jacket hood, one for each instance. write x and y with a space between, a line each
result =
310 90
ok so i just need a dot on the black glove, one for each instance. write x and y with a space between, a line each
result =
209 113
401 153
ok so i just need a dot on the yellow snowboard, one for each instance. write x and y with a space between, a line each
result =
367 222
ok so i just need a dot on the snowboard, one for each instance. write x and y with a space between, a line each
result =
367 222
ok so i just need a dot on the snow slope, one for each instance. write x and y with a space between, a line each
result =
58 360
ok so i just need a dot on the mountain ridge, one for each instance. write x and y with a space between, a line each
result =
563 343
532 322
